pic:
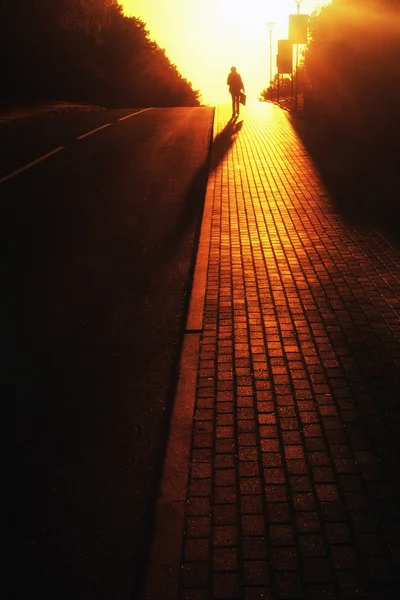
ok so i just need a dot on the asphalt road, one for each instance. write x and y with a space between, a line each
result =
100 239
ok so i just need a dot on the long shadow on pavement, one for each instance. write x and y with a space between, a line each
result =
194 196
360 171
363 181
192 209
223 142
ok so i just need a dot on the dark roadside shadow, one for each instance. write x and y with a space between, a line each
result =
188 223
360 172
359 168
194 198
218 149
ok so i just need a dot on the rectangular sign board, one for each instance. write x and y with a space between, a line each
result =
284 59
298 29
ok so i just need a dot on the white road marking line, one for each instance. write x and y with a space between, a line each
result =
38 160
31 164
133 114
93 131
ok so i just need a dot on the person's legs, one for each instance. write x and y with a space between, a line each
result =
237 104
233 104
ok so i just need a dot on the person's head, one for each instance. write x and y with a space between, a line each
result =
233 69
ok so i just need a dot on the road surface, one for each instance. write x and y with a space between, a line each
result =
101 213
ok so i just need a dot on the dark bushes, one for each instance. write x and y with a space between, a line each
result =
351 119
84 50
352 68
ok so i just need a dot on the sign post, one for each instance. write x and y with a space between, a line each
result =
298 32
284 59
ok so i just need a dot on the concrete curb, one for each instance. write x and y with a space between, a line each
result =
165 555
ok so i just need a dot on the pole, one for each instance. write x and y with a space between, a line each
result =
270 55
298 2
270 26
297 74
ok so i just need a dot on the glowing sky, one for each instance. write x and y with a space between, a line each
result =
204 38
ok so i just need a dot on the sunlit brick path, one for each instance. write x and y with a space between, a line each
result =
293 487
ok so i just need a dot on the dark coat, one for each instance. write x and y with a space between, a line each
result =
235 83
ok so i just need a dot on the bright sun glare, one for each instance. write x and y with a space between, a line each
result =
250 15
204 39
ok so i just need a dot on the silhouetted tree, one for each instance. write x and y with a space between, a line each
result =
84 50
352 66
283 83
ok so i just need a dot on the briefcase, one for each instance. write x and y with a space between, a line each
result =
242 98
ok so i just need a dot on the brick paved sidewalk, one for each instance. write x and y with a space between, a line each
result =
293 487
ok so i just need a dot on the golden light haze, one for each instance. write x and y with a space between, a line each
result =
204 39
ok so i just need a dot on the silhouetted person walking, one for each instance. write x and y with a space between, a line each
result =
235 87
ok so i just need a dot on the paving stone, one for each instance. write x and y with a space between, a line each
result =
198 507
225 495
257 593
196 549
224 461
344 557
253 525
201 471
256 572
312 544
248 469
281 535
284 558
200 488
250 485
225 514
288 585
333 511
252 505
225 559
254 548
338 533
198 526
321 592
352 585
224 477
299 483
195 574
316 570
278 513
226 586
225 535
194 594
